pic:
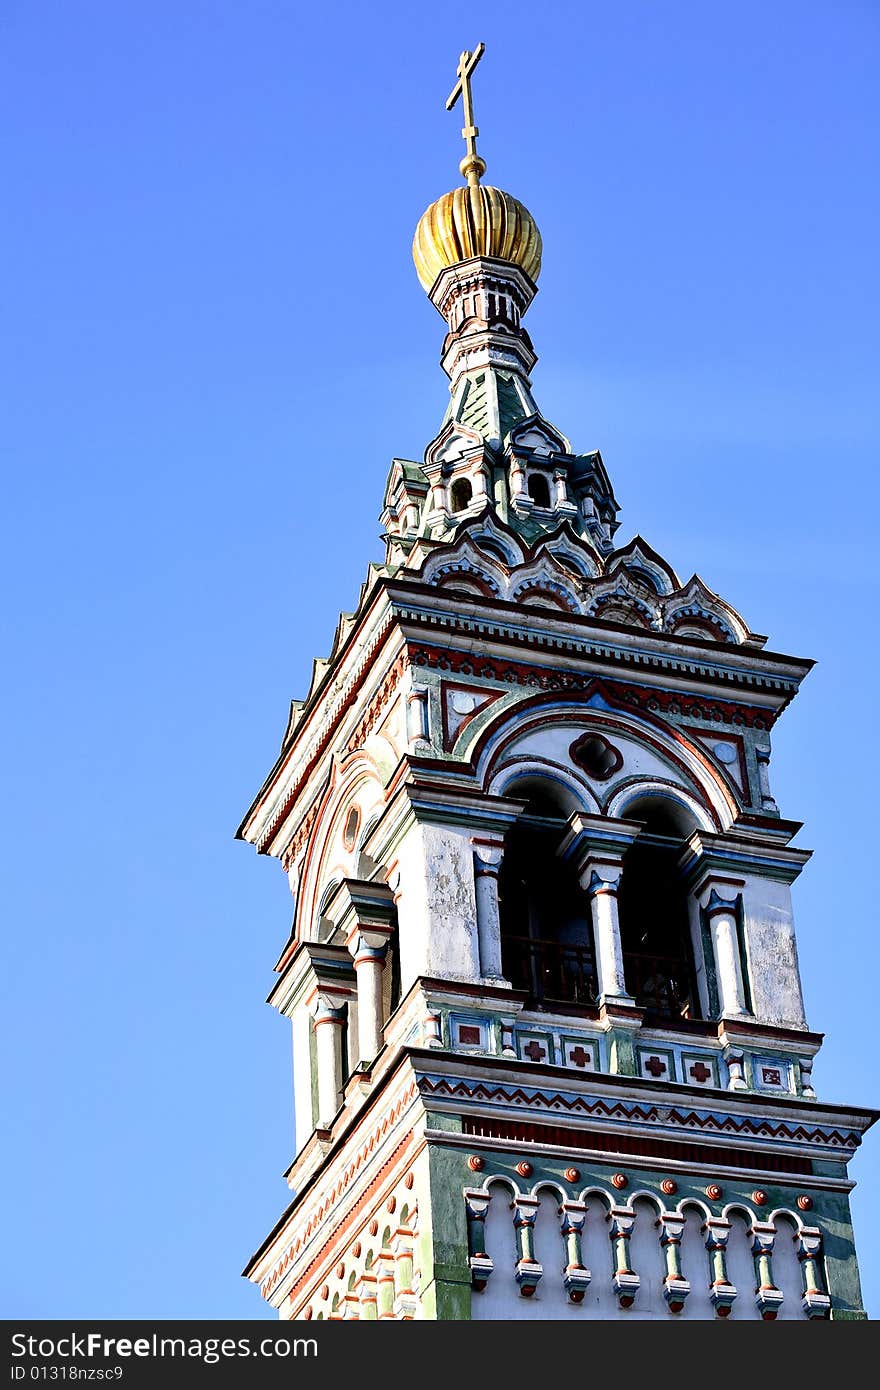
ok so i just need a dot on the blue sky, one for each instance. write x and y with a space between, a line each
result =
213 344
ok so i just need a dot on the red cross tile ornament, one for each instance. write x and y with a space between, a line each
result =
700 1073
534 1051
579 1058
655 1065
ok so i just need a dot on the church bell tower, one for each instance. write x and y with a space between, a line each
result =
549 1046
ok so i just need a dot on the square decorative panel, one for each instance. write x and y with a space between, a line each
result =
535 1047
699 1071
581 1053
771 1074
470 1034
656 1063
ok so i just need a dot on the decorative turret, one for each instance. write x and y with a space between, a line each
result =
477 252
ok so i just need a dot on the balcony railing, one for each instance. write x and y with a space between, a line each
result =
550 970
565 973
660 984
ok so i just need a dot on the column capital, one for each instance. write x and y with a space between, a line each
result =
595 845
728 857
328 1005
361 906
488 853
717 902
574 1214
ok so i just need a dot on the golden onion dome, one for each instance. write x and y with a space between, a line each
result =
476 220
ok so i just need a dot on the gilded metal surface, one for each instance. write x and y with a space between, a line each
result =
477 220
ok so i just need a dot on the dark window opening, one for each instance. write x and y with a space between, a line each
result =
546 935
392 970
461 494
539 490
655 936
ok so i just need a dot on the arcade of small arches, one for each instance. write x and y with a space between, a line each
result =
602 1253
633 586
379 1277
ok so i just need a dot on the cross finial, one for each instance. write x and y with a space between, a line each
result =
472 166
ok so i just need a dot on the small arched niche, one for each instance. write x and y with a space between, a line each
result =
461 494
655 934
546 936
539 489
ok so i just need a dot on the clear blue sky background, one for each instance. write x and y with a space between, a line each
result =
213 342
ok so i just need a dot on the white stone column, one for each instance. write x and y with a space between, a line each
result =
417 726
329 1023
519 497
487 864
369 948
602 889
721 913
596 845
364 911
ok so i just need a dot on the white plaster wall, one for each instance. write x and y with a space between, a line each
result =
596 1254
501 1297
302 1076
695 1268
741 1272
550 1299
772 953
552 741
502 1300
646 1258
437 908
787 1272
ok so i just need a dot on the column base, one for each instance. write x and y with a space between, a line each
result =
576 1281
626 1285
675 1291
723 1297
528 1275
481 1271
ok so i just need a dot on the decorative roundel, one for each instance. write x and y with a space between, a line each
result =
476 1163
619 1180
373 1227
463 702
352 824
340 1271
714 1192
356 1249
668 1187
307 1313
524 1169
725 752
759 1198
391 1204
408 1181
599 758
804 1202
572 1175
325 1292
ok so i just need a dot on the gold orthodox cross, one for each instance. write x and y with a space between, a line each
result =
472 166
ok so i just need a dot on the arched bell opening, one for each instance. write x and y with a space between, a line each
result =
461 494
539 489
546 935
655 937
